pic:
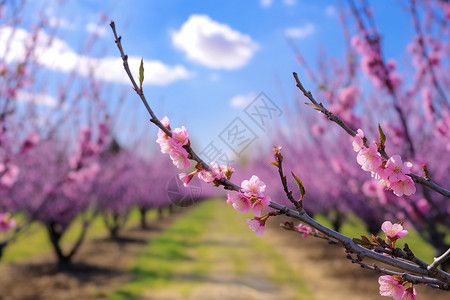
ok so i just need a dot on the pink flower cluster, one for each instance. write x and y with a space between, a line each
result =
306 230
217 173
391 173
391 286
373 65
393 231
174 145
6 222
251 198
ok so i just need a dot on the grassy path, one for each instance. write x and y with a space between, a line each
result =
211 254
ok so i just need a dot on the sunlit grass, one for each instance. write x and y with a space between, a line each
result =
34 240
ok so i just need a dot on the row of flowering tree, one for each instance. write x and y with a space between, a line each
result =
408 97
381 152
59 160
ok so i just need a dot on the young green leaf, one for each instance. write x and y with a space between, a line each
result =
300 185
382 136
274 163
141 73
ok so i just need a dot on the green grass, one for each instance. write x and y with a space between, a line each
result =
211 236
354 228
34 240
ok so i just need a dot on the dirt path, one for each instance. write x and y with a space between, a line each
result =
241 266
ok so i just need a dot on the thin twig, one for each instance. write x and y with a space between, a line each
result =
319 107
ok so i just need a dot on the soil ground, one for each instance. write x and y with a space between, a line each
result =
102 266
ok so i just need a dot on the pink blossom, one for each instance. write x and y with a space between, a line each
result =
409 294
369 158
396 170
215 173
239 202
164 144
30 142
393 231
391 287
166 122
253 187
305 229
358 143
180 158
179 137
8 174
260 205
163 138
186 178
403 187
348 95
257 225
6 221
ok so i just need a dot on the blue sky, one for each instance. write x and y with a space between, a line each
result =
211 58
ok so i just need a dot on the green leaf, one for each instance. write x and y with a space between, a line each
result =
141 72
300 185
274 163
358 241
382 136
400 222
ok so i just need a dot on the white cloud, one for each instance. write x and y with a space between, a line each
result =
213 44
300 32
60 23
289 2
55 54
330 11
38 98
95 29
241 101
265 3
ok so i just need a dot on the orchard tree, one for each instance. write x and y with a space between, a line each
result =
395 173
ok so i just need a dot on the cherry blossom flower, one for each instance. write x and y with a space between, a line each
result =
30 142
240 202
391 287
369 158
260 205
6 222
258 224
180 158
215 173
163 138
8 174
186 178
403 187
253 187
409 294
358 143
164 144
305 229
179 137
393 231
396 170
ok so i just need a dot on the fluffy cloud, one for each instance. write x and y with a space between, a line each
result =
241 101
213 44
36 98
266 3
300 32
55 54
95 29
